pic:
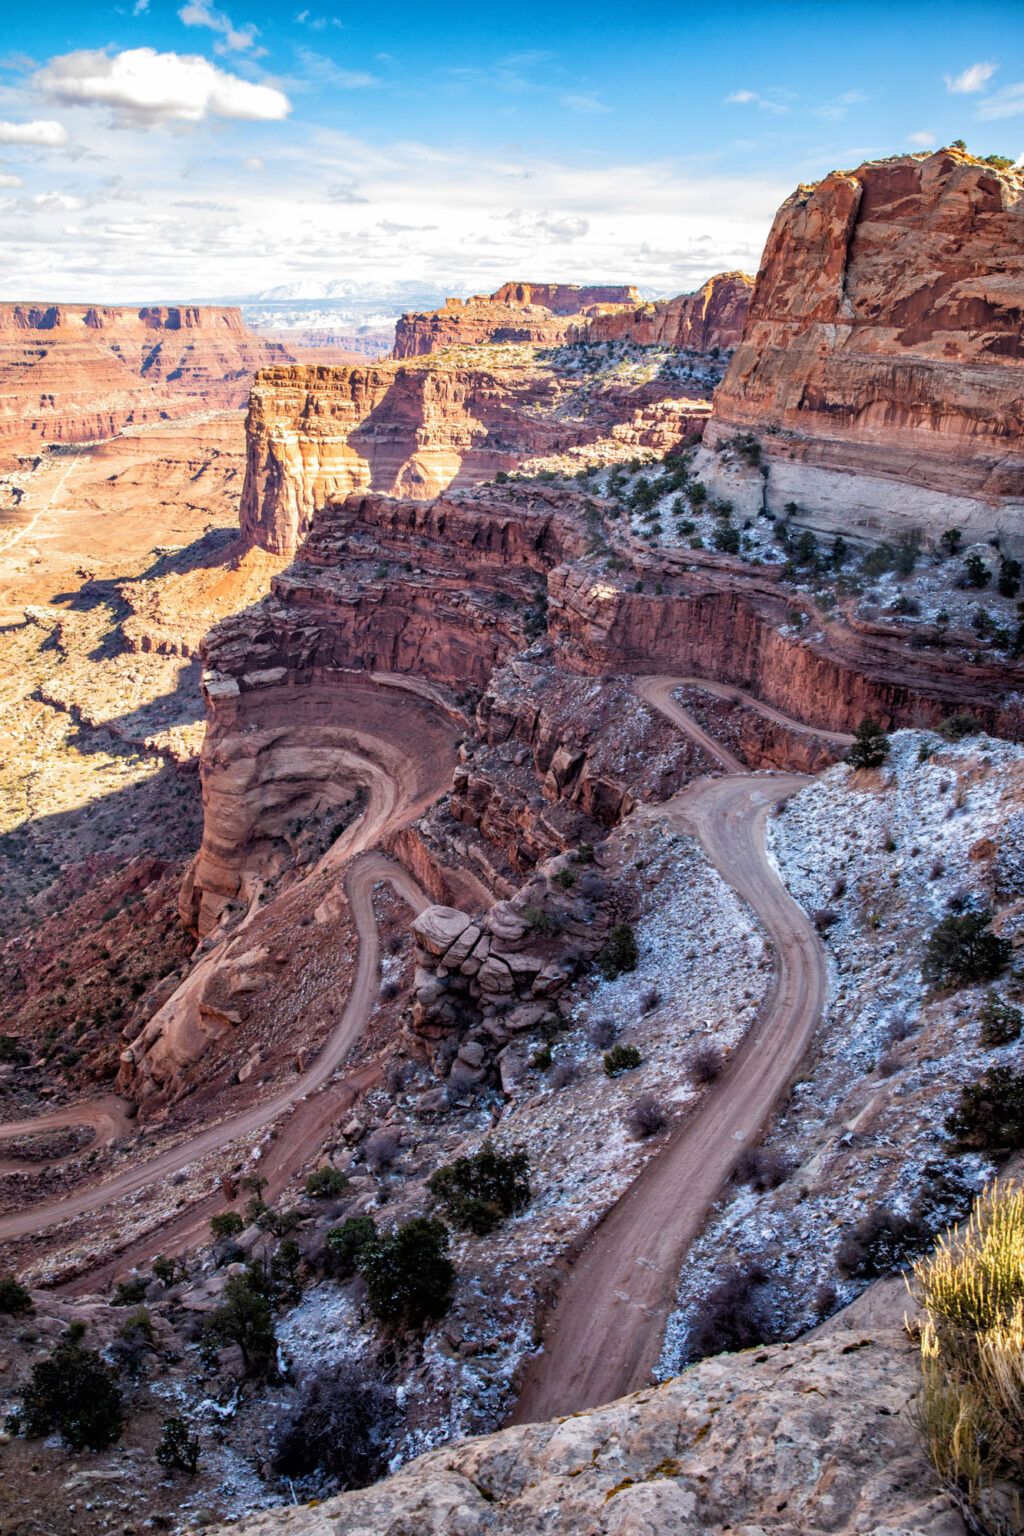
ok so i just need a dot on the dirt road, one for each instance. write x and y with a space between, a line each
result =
658 691
364 872
604 1333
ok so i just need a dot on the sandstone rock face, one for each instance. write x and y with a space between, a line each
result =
416 429
538 312
72 373
553 313
449 592
882 367
714 316
800 1438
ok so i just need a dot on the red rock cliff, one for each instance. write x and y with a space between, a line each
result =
78 372
550 314
419 427
714 316
882 366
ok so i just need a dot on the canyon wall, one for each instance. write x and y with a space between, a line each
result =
553 314
713 317
449 592
534 312
419 428
74 373
881 371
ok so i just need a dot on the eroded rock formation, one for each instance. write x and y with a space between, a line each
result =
417 428
549 314
72 372
881 372
713 317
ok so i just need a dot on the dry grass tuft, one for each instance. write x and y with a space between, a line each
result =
971 1409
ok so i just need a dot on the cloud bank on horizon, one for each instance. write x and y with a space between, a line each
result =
166 150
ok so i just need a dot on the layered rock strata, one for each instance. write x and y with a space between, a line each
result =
881 373
417 429
450 593
549 314
711 319
73 373
535 312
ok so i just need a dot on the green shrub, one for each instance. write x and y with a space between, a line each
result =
11 1053
963 949
621 1058
976 572
478 1192
870 746
245 1318
129 1293
326 1183
1009 578
344 1244
990 1114
957 727
1000 1021
74 1394
619 953
950 540
178 1451
14 1298
408 1274
226 1224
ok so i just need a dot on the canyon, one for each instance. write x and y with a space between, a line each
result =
447 764
73 373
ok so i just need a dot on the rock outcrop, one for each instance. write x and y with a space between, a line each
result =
881 373
713 317
73 373
549 314
534 312
817 1436
417 428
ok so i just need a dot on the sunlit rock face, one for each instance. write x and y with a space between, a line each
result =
881 371
73 373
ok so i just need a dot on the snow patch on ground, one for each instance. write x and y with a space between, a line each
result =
883 854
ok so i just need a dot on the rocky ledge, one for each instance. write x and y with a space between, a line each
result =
802 1438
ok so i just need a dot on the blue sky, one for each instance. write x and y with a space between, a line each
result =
174 149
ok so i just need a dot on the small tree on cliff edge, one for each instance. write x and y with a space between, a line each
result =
870 746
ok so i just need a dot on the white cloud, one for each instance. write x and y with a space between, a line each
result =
755 99
974 78
1009 102
47 135
835 110
140 7
234 39
146 87
547 227
923 139
253 163
58 200
322 70
7 180
583 102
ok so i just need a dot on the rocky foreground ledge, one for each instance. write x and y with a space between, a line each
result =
809 1437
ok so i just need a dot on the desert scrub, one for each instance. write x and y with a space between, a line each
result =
621 1058
478 1192
971 1408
